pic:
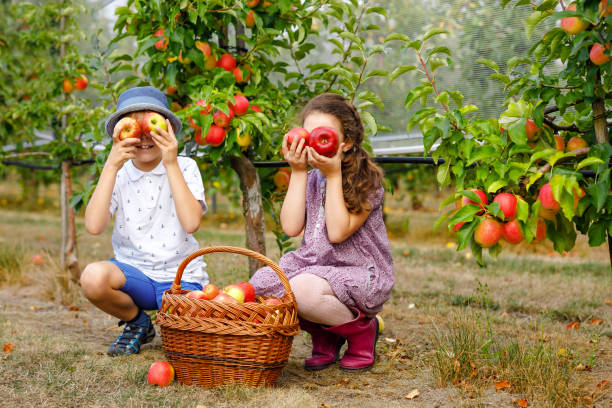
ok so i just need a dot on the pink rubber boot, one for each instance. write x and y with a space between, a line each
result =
325 346
361 334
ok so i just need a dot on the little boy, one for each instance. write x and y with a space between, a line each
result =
158 201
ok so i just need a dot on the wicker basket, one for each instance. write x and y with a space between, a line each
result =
213 344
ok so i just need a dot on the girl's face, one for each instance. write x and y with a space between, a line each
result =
148 154
316 119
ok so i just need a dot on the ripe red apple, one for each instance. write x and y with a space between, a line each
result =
161 44
578 196
299 133
252 3
242 105
197 137
576 143
224 298
227 62
81 82
37 259
255 108
512 232
239 76
207 109
550 206
249 291
281 180
573 25
597 55
604 9
204 47
197 294
272 301
223 120
532 130
249 20
171 90
235 291
210 62
507 203
211 291
488 232
540 230
129 128
160 373
324 141
67 86
215 136
559 143
151 121
458 226
483 198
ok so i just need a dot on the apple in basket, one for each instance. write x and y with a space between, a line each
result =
224 298
235 291
211 291
272 302
249 291
160 373
197 294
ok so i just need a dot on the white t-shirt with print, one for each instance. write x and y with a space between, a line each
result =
147 233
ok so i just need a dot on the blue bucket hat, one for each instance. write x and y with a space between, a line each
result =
140 99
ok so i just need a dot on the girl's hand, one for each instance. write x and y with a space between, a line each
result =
328 166
122 150
296 154
167 143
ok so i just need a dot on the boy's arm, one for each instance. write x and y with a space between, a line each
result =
188 208
97 214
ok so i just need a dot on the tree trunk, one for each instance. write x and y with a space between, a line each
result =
252 208
70 260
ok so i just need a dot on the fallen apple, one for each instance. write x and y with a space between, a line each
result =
37 259
161 373
324 141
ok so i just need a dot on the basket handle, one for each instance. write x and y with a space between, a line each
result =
176 285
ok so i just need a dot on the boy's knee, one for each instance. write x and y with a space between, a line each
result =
94 280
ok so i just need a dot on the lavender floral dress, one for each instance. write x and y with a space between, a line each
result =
359 269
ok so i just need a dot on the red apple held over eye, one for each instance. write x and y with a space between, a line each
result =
223 120
512 232
211 291
129 128
532 130
197 294
324 141
507 203
547 200
488 232
249 291
576 143
242 105
215 136
540 230
224 298
227 62
573 25
483 199
151 121
160 373
235 291
81 82
597 55
298 133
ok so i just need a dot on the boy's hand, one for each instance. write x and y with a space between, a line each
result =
122 150
328 166
296 154
167 143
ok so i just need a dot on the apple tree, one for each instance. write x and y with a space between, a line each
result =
549 150
235 72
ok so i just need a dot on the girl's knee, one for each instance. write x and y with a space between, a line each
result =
307 293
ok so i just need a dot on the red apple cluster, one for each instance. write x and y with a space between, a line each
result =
235 293
130 127
80 83
323 139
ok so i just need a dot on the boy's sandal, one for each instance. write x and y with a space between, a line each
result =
131 339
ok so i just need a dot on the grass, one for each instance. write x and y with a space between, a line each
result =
11 263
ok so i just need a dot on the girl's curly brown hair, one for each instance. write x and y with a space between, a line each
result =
360 176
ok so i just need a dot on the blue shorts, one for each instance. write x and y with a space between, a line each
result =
144 291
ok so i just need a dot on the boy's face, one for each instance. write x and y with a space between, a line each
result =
147 152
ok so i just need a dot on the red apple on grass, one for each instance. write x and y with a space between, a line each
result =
512 232
160 373
129 127
211 291
507 203
37 259
224 298
242 105
576 143
324 141
597 55
151 121
249 291
488 232
215 136
573 25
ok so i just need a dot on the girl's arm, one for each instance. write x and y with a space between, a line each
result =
97 214
293 212
188 208
340 223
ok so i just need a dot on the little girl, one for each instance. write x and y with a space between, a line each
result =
343 271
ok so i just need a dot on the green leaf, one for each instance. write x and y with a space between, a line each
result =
597 233
434 32
517 132
505 79
397 37
441 219
589 161
533 178
533 20
419 116
522 210
401 70
378 10
489 63
439 50
372 97
495 250
376 72
369 121
464 235
496 185
465 214
443 175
